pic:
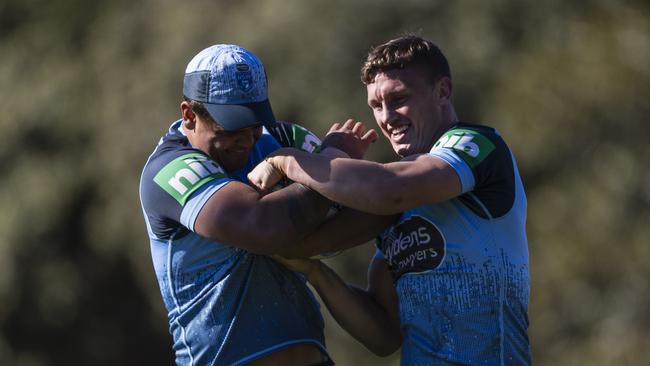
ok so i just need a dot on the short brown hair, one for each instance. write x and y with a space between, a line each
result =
402 52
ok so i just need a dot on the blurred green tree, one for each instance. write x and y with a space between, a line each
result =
87 88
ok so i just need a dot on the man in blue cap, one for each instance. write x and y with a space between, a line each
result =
228 303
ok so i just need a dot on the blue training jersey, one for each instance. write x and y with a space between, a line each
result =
461 266
226 306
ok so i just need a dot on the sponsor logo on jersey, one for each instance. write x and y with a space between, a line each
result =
413 245
305 140
184 175
472 147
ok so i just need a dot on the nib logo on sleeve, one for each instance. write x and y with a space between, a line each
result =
184 175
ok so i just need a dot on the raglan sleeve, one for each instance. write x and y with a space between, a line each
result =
467 151
485 166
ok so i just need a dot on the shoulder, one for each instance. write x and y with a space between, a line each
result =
184 172
173 173
486 167
472 143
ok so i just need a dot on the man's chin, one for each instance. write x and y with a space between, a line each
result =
233 166
402 150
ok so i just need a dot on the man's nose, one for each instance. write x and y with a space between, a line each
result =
387 115
246 137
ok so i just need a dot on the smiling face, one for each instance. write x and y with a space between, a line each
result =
408 106
228 148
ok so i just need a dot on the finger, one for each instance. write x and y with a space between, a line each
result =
335 127
264 175
359 128
370 136
348 124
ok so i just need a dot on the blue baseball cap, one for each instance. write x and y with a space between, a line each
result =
231 83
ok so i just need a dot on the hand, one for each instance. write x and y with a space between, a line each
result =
302 265
265 176
351 137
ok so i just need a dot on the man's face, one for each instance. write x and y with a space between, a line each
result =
406 106
228 148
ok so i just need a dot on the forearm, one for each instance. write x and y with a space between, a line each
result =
373 187
359 184
348 228
357 311
288 215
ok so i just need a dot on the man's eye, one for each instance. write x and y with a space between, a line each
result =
400 100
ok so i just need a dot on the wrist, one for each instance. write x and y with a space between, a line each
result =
315 273
333 153
276 162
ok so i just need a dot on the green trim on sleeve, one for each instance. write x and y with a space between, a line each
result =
470 145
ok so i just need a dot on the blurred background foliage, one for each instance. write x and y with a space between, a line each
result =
88 87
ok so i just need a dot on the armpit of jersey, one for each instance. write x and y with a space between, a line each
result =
184 175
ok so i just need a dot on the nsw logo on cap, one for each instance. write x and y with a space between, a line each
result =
244 77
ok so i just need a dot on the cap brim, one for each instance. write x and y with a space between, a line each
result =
237 116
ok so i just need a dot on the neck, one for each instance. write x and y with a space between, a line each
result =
449 115
449 118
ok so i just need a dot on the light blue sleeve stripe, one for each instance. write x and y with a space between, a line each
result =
196 201
463 170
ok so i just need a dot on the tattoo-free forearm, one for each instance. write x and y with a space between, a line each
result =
307 208
357 311
288 215
346 229
373 187
363 185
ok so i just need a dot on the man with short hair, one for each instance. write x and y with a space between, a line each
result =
228 303
452 272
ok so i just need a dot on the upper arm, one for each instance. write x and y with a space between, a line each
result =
417 180
462 160
174 187
381 189
237 215
229 216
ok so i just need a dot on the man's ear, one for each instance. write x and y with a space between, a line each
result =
444 89
189 117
